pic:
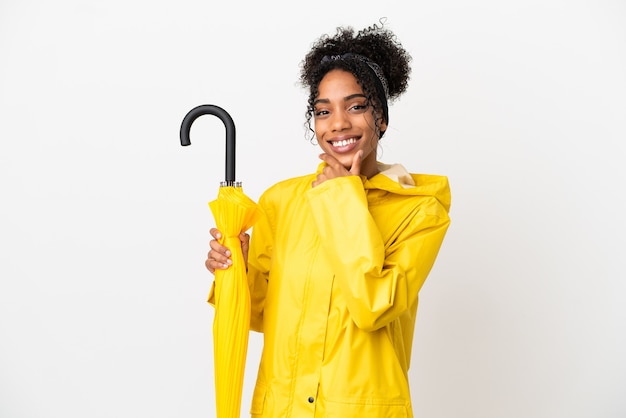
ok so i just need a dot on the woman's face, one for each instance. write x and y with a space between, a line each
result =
344 123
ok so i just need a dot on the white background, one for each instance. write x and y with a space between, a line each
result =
104 218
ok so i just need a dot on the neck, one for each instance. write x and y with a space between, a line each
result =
369 168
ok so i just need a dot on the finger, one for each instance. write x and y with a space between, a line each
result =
356 163
219 258
215 233
245 245
219 248
217 261
213 265
330 161
319 179
208 266
244 238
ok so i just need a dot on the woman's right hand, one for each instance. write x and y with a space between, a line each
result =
219 257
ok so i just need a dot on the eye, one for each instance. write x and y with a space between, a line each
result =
358 107
320 112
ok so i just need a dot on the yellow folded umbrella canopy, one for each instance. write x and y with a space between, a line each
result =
233 212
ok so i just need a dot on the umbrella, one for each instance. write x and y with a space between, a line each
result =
233 212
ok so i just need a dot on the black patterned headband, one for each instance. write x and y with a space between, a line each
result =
371 64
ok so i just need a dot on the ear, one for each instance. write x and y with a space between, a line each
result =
383 125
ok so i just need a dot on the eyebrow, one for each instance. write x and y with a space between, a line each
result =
345 99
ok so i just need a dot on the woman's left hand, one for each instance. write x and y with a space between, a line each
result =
335 169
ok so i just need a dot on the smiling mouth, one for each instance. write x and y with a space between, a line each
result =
343 142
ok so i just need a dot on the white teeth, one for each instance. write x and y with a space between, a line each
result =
344 142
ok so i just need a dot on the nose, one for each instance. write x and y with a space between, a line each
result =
339 121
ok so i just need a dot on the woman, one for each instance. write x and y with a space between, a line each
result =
336 262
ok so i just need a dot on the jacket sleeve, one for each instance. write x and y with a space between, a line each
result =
380 281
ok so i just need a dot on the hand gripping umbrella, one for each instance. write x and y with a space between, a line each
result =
234 212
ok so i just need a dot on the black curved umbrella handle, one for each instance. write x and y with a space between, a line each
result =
198 111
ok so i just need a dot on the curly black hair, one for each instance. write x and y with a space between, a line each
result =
376 43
